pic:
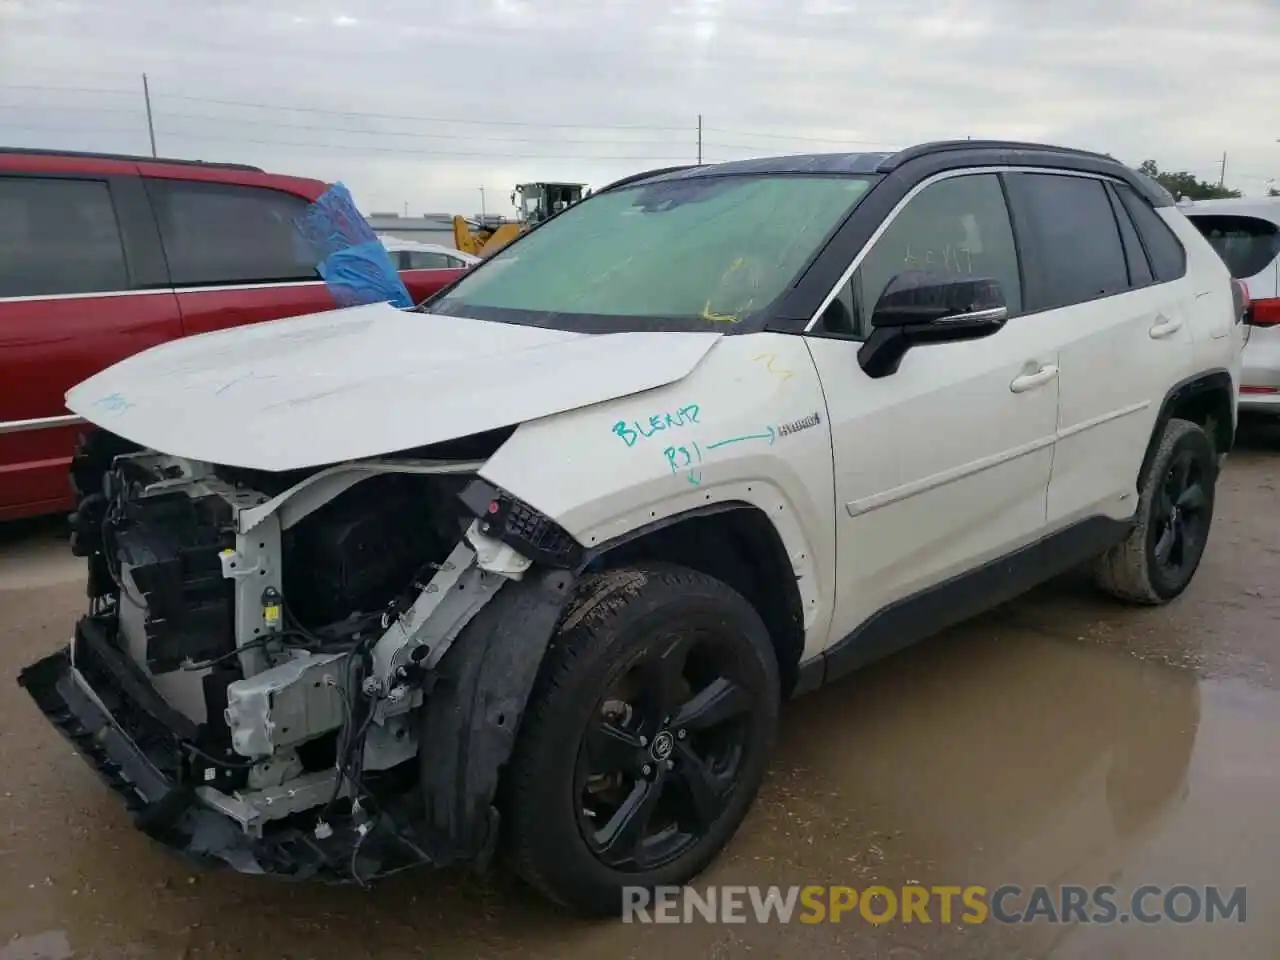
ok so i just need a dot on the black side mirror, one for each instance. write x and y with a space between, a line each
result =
919 307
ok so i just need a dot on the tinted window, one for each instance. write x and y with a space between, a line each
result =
958 226
58 236
1164 249
220 234
1135 256
421 260
1079 240
1248 245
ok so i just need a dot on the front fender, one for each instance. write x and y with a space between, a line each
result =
748 425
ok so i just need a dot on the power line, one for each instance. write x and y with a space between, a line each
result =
157 95
409 116
786 136
361 148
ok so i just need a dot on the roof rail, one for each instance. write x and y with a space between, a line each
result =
128 157
644 175
946 146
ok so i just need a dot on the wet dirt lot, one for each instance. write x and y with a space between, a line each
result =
1059 740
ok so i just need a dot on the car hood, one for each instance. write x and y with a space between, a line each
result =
363 382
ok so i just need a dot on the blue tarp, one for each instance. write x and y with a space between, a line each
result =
349 255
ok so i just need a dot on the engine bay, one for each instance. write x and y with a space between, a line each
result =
292 625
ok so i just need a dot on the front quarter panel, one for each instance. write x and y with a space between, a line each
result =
748 425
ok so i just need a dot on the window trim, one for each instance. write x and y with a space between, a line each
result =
1017 222
887 221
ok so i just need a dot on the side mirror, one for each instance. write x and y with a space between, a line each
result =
920 307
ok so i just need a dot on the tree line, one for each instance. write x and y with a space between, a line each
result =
1182 184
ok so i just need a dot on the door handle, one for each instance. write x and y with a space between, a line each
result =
1029 381
1165 328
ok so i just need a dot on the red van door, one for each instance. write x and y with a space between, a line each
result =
82 286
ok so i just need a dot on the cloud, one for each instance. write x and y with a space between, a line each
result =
424 103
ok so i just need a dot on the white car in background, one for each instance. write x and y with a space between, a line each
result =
415 255
1246 234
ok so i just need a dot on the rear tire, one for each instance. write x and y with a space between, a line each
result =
638 646
1159 558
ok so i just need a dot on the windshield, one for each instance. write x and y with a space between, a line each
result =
700 253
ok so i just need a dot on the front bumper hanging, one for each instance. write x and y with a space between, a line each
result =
140 747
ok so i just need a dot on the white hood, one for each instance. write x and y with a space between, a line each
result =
364 382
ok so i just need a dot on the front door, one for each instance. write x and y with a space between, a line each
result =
943 465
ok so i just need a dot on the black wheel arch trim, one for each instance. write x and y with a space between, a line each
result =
473 710
1205 382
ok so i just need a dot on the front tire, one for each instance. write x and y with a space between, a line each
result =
1158 559
646 739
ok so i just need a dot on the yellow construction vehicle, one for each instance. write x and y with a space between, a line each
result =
534 203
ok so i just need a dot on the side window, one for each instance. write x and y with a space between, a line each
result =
217 233
1248 245
1135 256
958 226
58 237
420 260
1168 258
1078 239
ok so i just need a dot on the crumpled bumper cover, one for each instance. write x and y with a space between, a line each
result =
127 734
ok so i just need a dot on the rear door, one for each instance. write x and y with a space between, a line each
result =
1121 327
234 253
82 286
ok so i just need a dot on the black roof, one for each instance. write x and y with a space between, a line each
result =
929 158
128 157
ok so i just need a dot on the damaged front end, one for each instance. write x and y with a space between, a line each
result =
314 674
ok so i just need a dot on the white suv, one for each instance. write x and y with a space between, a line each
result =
1246 233
531 567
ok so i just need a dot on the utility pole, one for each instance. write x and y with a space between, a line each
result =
699 139
151 127
1223 178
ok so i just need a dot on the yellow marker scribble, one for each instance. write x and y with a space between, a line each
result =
770 359
722 317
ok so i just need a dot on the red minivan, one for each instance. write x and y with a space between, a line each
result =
102 256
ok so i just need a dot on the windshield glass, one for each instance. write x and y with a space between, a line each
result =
701 253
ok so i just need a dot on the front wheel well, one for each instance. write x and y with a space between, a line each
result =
740 547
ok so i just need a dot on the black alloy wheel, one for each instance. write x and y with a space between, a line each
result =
645 740
1181 517
1161 553
662 754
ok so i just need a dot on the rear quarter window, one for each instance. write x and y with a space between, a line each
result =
1164 249
1248 245
229 234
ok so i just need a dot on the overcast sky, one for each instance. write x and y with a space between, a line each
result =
423 102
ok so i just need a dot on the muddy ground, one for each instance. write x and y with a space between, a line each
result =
1061 739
